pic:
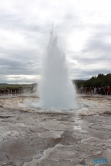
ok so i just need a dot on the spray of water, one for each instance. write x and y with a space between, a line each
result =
56 89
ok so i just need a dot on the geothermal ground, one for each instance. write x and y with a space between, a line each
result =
34 137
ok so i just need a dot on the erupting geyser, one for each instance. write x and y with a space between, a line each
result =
56 89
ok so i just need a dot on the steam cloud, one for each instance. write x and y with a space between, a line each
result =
56 89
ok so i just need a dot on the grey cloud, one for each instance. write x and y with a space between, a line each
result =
97 51
14 67
28 60
93 59
95 71
86 74
95 45
17 22
98 42
18 79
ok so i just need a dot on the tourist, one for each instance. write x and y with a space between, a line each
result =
108 90
105 90
95 90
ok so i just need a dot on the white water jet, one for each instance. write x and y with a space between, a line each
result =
56 89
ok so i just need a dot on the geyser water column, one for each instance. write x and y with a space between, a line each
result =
56 88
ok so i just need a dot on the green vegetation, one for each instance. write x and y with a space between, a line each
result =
14 86
100 80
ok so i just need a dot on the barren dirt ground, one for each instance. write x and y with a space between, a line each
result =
36 137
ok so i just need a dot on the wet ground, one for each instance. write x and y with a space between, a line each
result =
36 137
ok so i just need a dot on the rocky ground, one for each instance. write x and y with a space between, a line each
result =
36 137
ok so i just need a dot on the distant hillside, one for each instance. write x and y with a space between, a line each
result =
100 80
3 83
8 86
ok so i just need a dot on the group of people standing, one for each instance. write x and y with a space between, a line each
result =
12 91
106 90
17 91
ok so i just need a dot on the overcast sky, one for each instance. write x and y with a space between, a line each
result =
83 28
